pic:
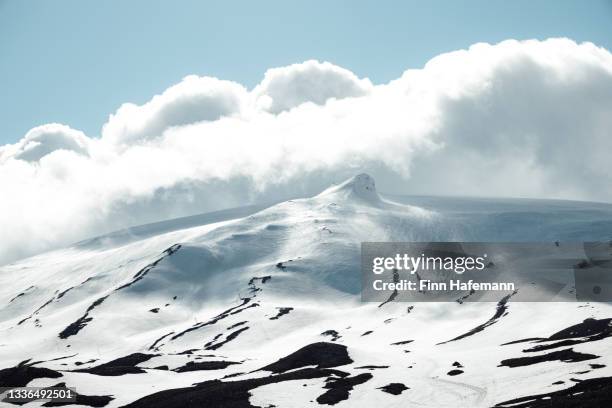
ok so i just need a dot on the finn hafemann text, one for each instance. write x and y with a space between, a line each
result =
427 285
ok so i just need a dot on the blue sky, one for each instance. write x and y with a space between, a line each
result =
74 61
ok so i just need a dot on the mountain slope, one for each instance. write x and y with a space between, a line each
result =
268 303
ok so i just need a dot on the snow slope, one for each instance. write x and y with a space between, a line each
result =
225 296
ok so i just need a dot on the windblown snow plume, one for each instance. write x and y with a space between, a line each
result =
517 118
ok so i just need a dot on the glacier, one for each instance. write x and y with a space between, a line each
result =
259 306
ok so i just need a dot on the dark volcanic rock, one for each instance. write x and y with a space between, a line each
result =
589 327
224 394
394 388
112 371
226 313
393 295
120 366
543 347
454 372
323 355
587 331
80 363
23 373
230 337
281 312
204 365
332 333
521 341
594 392
566 355
340 388
263 279
237 324
500 311
88 400
187 352
399 343
155 344
371 367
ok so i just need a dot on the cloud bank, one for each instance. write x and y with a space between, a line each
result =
528 118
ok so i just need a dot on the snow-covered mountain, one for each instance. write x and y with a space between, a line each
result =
261 307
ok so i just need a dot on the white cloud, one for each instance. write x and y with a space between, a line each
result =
46 139
312 81
192 100
512 119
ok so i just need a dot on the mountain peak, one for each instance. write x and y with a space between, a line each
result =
361 187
